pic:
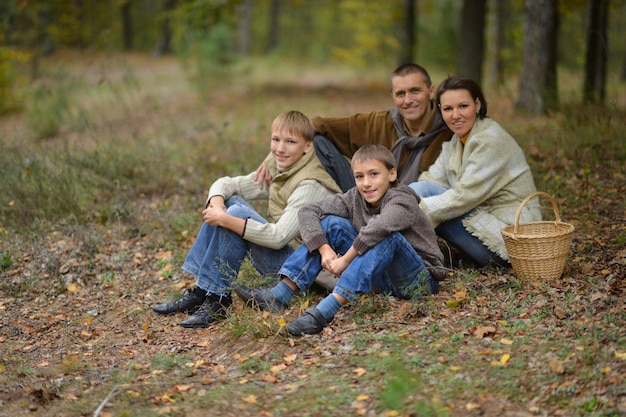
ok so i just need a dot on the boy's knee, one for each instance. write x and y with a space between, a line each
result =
238 211
330 221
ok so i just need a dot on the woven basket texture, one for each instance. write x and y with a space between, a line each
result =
538 250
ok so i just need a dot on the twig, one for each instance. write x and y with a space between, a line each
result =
113 392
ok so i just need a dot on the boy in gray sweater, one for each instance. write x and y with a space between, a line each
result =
372 236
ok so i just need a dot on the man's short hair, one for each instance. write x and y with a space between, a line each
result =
410 68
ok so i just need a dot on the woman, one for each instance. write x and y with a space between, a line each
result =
477 183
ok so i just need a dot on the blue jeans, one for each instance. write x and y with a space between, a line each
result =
454 232
217 253
392 266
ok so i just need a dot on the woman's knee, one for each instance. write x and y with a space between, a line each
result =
427 188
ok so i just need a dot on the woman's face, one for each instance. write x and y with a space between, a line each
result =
459 110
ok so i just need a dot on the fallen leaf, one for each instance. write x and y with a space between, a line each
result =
183 387
290 358
359 371
556 366
482 331
472 406
250 399
505 358
269 378
506 341
277 368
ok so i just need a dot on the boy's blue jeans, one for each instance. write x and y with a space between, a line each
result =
454 232
392 266
217 253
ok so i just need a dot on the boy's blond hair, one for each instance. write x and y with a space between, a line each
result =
294 123
376 153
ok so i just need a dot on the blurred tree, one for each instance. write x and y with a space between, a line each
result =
597 52
273 25
471 44
245 16
164 44
498 10
538 82
127 24
367 32
408 37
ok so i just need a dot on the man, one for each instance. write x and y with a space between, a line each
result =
413 131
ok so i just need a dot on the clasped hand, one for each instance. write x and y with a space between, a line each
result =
212 213
331 261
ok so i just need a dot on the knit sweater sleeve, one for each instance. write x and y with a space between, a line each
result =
279 234
245 186
311 215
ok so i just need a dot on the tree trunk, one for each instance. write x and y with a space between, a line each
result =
597 52
408 40
127 25
164 45
538 83
497 11
472 39
272 39
245 12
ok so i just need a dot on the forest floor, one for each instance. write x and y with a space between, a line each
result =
78 337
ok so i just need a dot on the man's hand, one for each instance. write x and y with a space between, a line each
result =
262 174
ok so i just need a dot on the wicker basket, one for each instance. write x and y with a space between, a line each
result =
538 249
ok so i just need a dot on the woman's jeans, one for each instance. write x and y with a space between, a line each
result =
392 266
217 253
454 232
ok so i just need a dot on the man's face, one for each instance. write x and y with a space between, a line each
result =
411 95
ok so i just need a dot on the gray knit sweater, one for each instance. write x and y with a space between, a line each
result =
398 212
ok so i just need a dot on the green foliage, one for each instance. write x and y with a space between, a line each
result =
11 80
402 391
165 362
372 39
6 262
204 33
47 112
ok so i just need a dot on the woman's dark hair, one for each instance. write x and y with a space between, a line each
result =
458 82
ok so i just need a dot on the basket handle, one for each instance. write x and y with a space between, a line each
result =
555 208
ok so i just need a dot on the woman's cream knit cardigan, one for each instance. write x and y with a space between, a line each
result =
488 177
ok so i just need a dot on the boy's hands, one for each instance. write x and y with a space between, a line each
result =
213 213
334 263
